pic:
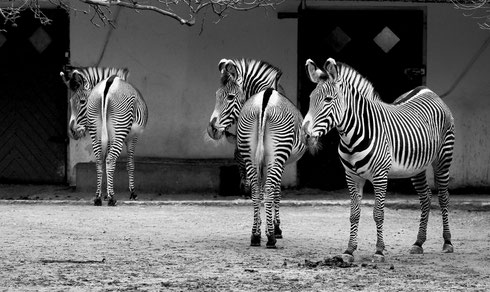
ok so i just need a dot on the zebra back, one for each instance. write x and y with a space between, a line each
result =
91 76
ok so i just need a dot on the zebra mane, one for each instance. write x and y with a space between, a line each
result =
94 75
362 85
252 73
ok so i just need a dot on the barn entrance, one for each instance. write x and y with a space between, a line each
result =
33 102
386 46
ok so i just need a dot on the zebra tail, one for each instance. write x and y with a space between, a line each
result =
260 149
104 135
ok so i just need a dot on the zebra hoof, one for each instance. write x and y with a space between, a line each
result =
255 240
277 231
98 201
112 202
378 258
271 242
447 248
347 258
416 249
133 197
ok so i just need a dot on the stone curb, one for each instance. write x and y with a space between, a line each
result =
470 205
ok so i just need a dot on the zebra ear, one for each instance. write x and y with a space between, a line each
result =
314 72
221 65
228 68
330 67
276 81
125 74
66 73
76 81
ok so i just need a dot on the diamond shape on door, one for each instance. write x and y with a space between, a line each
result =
386 39
338 39
40 39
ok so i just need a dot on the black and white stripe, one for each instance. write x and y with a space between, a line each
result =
240 80
114 112
380 140
267 132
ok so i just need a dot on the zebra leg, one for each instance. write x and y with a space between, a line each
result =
355 185
441 176
256 200
244 183
131 145
100 172
271 201
277 220
422 188
379 185
112 156
99 163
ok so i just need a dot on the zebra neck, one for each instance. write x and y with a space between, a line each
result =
360 124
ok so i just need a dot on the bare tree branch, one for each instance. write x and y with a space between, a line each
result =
477 9
183 11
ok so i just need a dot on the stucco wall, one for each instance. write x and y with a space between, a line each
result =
453 40
175 68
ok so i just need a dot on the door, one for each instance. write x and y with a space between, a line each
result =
33 102
385 46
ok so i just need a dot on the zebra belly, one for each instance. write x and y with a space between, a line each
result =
401 171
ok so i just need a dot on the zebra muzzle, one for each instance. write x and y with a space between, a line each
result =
305 135
310 141
213 132
76 132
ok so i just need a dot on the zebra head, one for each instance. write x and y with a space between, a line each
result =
80 89
230 98
325 102
80 81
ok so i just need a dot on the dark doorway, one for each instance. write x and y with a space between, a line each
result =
33 99
386 46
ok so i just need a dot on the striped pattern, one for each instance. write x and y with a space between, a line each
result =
114 112
241 79
268 137
380 140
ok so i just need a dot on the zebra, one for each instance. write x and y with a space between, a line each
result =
380 141
114 113
244 77
268 137
240 80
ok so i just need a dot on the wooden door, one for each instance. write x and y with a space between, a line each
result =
33 100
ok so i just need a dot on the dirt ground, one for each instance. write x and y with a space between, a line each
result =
183 247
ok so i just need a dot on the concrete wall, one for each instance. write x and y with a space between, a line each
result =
452 42
175 67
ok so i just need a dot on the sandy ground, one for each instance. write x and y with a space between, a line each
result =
181 247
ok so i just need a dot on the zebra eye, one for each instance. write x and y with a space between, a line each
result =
83 101
328 99
230 97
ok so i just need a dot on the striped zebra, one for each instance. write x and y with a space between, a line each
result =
240 80
380 141
113 112
268 137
